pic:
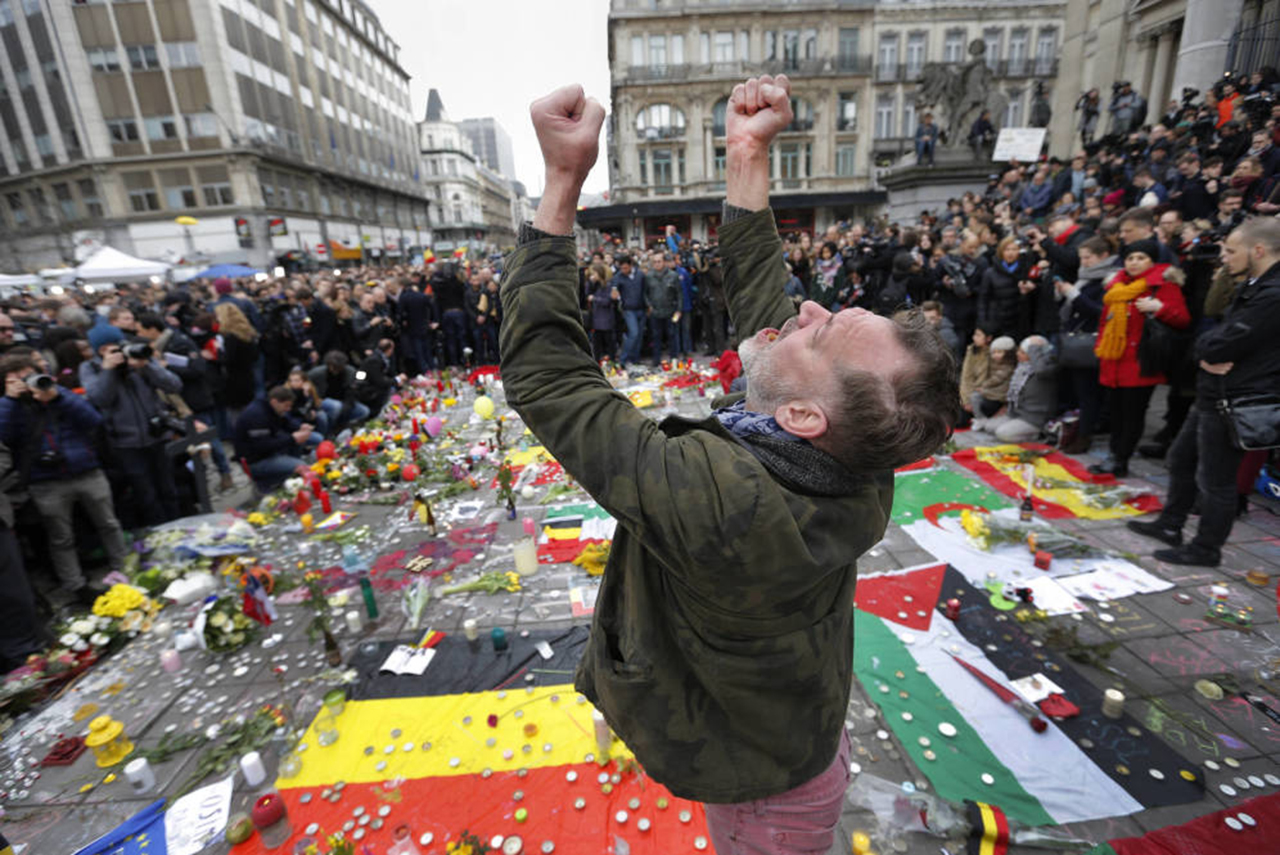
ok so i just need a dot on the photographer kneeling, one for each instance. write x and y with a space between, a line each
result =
271 440
52 436
124 381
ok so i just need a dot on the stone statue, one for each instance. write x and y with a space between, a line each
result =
1041 112
961 94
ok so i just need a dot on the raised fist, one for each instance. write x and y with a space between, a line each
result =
758 110
568 128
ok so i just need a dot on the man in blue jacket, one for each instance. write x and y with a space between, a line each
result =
272 440
629 283
52 435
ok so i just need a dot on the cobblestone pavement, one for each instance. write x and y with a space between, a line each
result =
1164 648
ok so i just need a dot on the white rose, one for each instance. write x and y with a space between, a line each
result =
103 621
99 639
79 646
293 485
69 639
218 619
83 626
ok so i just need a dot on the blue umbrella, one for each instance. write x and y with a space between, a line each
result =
231 271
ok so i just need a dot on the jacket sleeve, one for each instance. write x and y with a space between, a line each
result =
754 276
1243 334
101 386
1174 311
79 412
644 478
161 378
10 428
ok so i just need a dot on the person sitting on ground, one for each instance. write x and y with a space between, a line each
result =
271 441
990 380
732 694
1033 393
335 383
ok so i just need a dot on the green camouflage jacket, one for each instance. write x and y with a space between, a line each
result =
721 649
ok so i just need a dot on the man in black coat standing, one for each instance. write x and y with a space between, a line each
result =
417 328
1239 359
323 322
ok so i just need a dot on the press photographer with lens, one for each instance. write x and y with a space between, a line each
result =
125 382
53 437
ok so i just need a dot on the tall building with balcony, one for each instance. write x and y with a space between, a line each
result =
282 126
673 65
1022 40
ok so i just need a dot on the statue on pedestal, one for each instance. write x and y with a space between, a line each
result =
963 94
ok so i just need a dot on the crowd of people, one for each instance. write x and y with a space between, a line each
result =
1068 291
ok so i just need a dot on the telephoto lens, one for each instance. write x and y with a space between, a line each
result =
138 350
40 382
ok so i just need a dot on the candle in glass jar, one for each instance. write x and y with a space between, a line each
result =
171 660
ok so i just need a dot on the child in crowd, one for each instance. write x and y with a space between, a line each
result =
984 376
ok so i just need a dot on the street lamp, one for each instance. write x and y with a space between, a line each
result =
187 222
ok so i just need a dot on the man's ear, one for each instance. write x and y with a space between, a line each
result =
802 418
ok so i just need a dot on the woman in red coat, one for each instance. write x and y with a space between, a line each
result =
1143 289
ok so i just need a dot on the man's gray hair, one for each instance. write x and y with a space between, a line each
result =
1033 342
1261 230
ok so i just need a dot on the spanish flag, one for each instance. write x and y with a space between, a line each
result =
460 252
428 256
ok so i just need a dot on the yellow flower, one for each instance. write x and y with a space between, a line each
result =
333 476
319 466
392 467
118 600
257 518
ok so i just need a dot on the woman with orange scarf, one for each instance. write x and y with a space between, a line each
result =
1143 289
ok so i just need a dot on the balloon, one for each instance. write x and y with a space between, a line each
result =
483 407
434 426
326 451
409 472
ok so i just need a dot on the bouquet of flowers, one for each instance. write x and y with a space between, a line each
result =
490 583
986 532
467 844
226 627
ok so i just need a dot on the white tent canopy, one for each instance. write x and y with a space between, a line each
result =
112 265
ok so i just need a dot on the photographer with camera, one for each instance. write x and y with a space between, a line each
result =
1128 109
124 382
53 436
1090 105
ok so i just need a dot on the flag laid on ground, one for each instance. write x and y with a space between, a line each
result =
1222 832
568 529
973 746
1064 488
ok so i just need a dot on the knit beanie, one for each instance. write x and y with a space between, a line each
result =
104 334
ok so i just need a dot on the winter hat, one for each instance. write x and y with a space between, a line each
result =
1148 247
222 285
104 334
902 263
1004 342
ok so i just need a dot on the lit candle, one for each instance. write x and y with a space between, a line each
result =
355 623
415 426
325 504
139 775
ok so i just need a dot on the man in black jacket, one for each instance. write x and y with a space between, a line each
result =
418 324
451 303
271 440
1239 358
321 320
376 377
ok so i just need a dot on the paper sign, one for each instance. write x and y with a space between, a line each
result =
198 818
408 660
1021 144
1036 688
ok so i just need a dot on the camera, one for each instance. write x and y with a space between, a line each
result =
160 424
1189 94
137 350
40 382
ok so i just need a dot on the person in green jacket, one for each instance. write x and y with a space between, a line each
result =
722 643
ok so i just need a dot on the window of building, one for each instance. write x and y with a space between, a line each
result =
122 130
885 109
677 50
744 45
41 206
908 117
953 47
809 44
846 159
177 198
719 113
17 209
791 49
771 45
637 50
660 121
887 57
103 59
142 57
1046 50
724 46
217 194
1018 51
23 76
916 48
848 48
6 13
161 127
457 213
802 115
201 125
657 51
662 175
644 167
453 166
847 118
704 48
182 54
992 38
89 196
44 145
789 161
1013 112
718 163
142 201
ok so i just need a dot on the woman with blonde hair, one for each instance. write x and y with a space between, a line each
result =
238 358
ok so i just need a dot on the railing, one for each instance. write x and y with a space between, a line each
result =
638 73
666 133
888 72
737 69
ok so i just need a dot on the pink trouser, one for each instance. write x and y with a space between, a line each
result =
802 820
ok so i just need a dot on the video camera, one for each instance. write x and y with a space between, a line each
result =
40 382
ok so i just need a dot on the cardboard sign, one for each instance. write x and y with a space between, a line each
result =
1020 144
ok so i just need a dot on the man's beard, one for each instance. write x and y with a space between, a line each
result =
766 390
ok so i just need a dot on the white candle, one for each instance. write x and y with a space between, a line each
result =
470 629
526 555
1113 703
254 772
139 775
604 739
355 623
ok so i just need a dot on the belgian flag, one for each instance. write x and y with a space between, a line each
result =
989 829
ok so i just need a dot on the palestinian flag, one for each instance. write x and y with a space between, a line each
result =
566 530
471 745
1252 826
1074 490
969 743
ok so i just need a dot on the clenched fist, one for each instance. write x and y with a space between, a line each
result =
758 110
568 128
